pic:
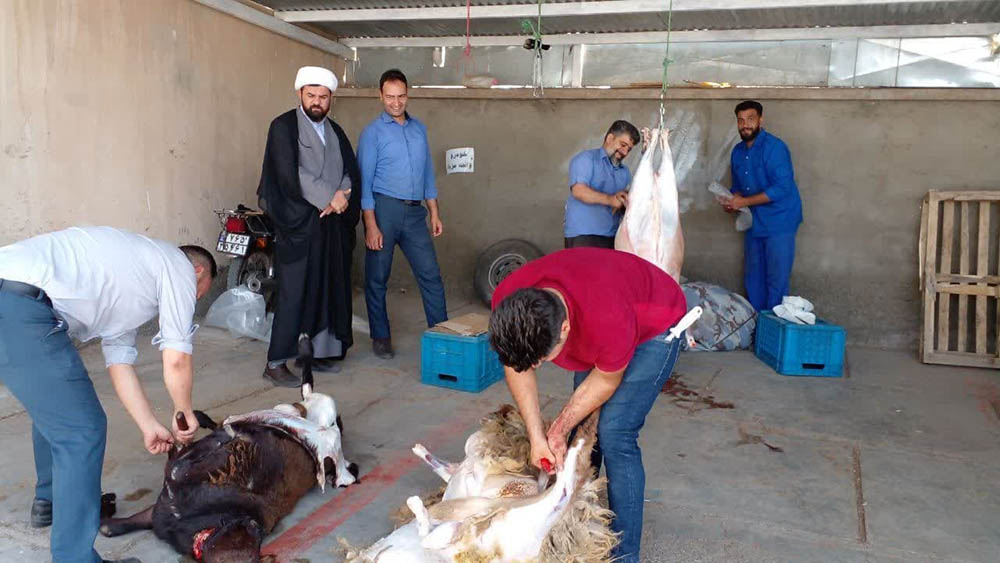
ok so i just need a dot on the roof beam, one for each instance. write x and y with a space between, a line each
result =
781 34
283 28
593 8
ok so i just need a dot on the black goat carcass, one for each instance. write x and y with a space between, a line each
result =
223 494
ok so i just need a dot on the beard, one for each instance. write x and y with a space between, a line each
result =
315 113
614 156
749 135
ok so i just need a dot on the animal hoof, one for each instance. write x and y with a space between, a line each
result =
113 529
109 505
305 346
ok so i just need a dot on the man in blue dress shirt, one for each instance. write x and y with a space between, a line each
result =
597 189
764 181
397 177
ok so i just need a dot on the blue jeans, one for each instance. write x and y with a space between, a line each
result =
767 267
405 225
622 416
42 368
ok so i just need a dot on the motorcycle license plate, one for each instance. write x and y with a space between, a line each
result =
233 243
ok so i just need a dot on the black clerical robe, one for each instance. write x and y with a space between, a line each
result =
312 255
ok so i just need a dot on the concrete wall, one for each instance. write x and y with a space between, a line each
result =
862 169
143 115
147 115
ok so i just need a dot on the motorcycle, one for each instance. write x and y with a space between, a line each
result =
248 236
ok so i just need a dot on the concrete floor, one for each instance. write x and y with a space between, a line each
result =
897 462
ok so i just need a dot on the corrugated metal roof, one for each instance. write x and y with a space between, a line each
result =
917 13
354 4
895 13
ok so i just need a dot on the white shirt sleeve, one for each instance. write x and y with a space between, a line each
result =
119 349
178 294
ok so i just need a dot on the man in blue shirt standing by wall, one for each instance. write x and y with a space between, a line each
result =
764 181
397 177
597 183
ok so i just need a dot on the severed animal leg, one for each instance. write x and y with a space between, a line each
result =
111 527
347 472
420 513
443 469
305 349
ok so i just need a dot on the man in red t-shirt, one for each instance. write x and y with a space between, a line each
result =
603 314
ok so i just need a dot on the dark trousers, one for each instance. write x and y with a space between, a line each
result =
42 368
405 225
595 241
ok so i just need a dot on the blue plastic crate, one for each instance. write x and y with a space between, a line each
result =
465 363
794 349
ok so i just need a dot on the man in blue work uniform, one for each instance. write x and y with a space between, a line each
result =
764 181
397 177
597 184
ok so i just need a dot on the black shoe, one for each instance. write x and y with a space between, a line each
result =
281 376
41 513
41 510
126 560
326 365
382 347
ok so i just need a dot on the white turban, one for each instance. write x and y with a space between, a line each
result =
315 76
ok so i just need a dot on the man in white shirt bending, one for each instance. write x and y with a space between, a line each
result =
92 282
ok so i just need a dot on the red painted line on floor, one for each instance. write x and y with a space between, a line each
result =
354 498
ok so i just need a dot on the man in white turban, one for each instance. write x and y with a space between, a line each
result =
310 188
315 76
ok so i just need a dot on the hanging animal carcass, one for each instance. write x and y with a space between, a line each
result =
651 227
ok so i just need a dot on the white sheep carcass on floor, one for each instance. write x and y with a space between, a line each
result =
496 509
651 227
494 464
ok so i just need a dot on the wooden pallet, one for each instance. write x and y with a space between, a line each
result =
959 265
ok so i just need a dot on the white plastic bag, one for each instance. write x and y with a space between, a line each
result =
795 309
242 312
744 219
797 302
